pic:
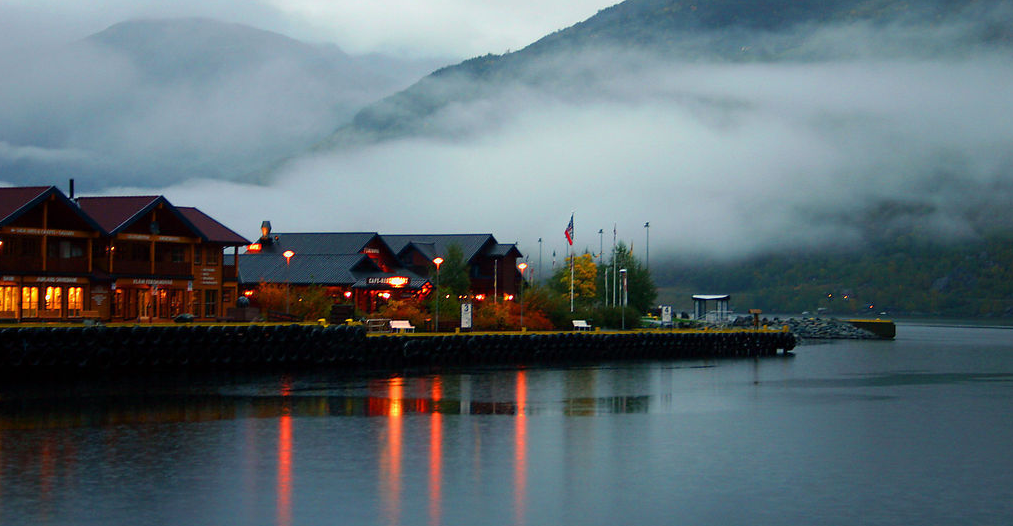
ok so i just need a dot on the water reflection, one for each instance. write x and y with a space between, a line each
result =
285 456
436 456
390 463
521 450
114 410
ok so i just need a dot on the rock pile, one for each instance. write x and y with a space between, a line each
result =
824 329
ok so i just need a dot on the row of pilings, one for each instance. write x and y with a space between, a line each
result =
348 347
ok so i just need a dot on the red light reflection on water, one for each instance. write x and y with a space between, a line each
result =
436 456
285 457
390 463
521 451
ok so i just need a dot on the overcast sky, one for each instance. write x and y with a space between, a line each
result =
415 28
721 158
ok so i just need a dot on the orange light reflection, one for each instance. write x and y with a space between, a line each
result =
285 456
436 456
392 461
521 453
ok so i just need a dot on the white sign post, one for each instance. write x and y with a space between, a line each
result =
466 316
666 314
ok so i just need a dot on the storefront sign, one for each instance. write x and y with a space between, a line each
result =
55 279
146 237
140 281
209 276
393 281
370 251
44 232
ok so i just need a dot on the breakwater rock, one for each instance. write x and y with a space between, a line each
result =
824 329
341 347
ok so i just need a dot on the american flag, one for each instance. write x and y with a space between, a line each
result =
569 231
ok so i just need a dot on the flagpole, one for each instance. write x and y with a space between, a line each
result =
571 266
615 267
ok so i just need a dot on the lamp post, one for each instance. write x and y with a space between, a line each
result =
601 254
437 261
522 267
538 278
288 282
647 256
622 281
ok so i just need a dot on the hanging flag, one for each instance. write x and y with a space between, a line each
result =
569 231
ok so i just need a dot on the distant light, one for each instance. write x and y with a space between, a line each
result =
522 267
248 293
253 247
508 297
437 261
288 254
385 295
480 297
348 294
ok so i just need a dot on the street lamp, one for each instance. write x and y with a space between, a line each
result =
437 261
522 267
288 282
623 291
647 256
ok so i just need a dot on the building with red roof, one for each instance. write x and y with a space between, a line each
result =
113 258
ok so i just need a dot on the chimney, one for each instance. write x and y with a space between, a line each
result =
71 189
265 232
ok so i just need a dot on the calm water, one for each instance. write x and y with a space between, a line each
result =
913 431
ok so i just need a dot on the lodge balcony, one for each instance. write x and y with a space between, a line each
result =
33 264
161 268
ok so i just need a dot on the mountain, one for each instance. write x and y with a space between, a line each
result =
149 102
624 39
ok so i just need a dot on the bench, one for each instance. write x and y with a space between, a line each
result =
378 325
402 326
581 325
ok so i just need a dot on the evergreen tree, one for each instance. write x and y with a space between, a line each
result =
641 289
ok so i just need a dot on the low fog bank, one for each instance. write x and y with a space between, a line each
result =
152 102
722 159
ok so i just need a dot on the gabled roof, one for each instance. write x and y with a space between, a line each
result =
471 244
333 243
318 269
501 250
114 213
15 201
212 230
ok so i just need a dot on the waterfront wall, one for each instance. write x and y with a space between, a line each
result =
348 348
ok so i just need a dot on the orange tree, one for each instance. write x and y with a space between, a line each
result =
585 279
506 316
307 302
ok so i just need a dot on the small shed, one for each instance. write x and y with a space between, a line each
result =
720 312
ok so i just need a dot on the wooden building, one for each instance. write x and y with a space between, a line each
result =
112 258
368 269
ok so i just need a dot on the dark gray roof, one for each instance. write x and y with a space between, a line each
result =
332 243
319 269
471 244
503 250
